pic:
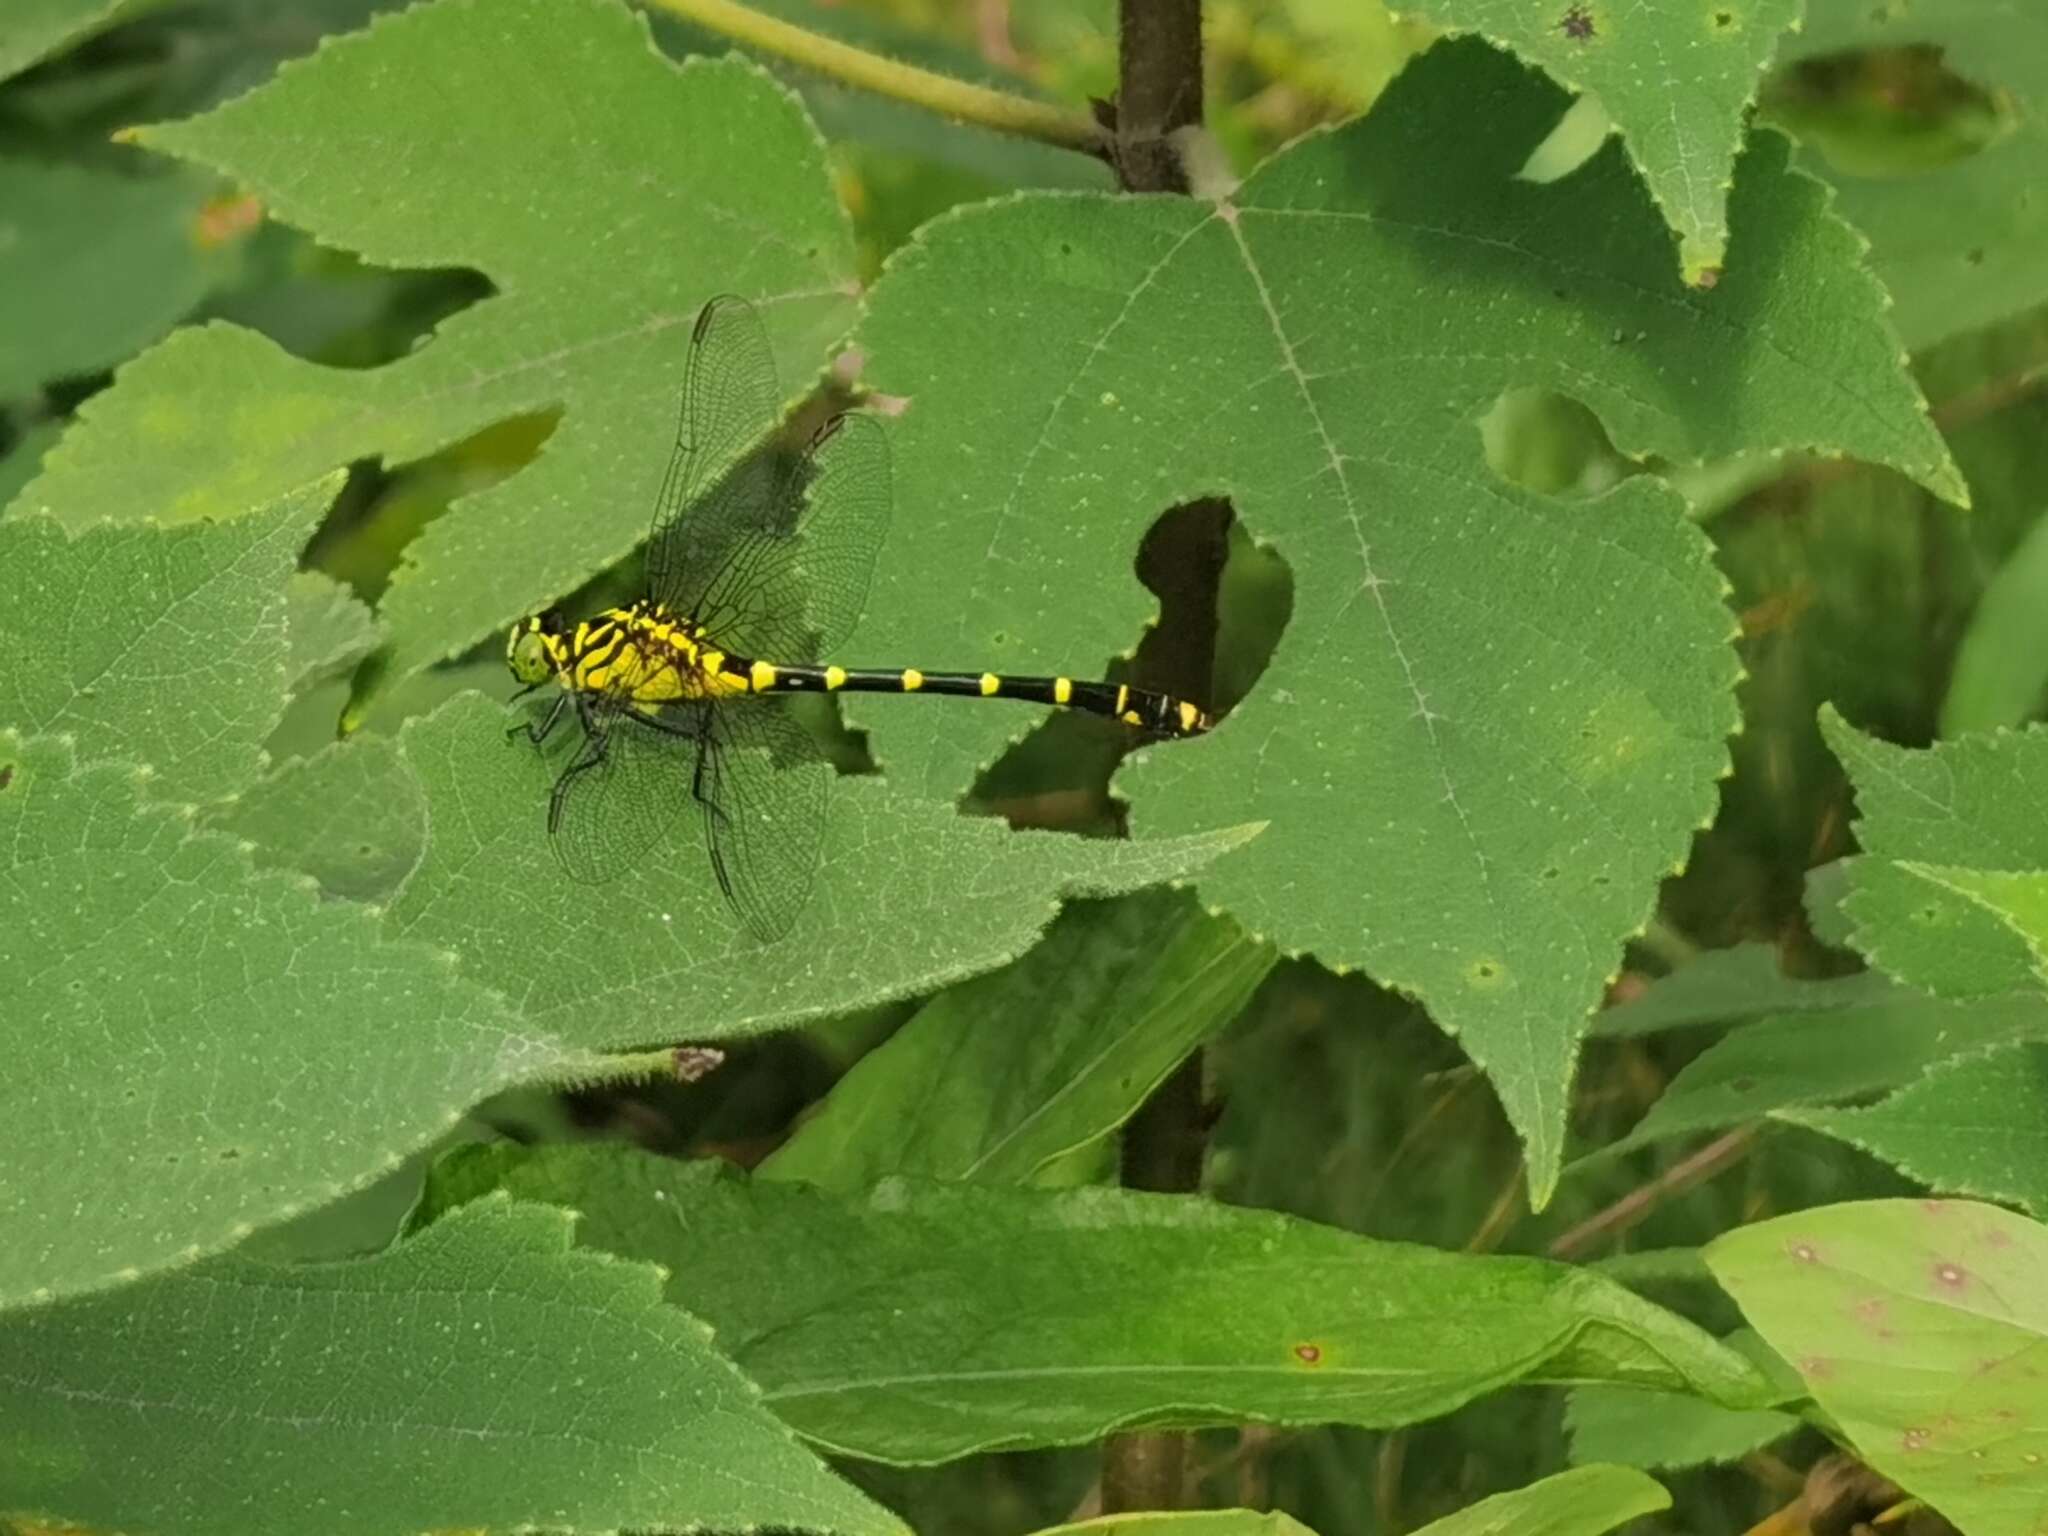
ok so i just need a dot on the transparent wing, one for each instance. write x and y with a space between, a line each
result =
716 489
792 588
763 801
624 789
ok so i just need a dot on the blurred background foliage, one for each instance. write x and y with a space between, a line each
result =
1332 1099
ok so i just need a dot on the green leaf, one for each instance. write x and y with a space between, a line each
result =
606 968
1725 986
1784 1062
331 630
1946 835
1581 1502
1963 245
2019 899
197 1048
168 647
1677 83
1003 1075
21 461
1664 1430
1184 1522
2001 667
1497 717
36 29
1040 1318
603 230
1975 1125
481 1376
95 265
352 817
1921 1327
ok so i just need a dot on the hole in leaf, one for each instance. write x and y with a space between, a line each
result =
381 511
1551 444
1579 133
1223 601
1887 112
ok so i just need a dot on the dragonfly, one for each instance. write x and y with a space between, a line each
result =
758 563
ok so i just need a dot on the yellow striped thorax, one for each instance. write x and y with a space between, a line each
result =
644 652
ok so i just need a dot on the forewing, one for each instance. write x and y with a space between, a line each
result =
719 485
764 811
624 789
793 589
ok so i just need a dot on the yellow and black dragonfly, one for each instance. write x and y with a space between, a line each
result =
758 563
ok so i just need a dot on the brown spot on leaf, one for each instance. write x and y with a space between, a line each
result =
1914 1439
1577 24
1951 1277
1309 1354
1707 278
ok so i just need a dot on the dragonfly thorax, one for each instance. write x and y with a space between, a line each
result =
642 653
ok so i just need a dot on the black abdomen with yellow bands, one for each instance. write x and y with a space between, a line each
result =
1157 713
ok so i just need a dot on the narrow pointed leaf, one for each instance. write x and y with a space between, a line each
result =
1946 894
1974 1125
1003 1075
1581 1502
930 1321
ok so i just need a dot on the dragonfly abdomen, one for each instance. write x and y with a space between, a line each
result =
1158 713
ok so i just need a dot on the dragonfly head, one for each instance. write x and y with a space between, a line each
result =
532 649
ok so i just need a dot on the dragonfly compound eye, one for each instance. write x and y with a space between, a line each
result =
526 653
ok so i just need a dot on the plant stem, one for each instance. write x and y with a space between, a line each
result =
1159 91
1639 1202
936 93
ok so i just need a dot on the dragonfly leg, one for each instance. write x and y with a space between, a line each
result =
591 756
538 733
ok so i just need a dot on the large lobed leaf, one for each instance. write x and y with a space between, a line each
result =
1676 81
605 191
481 1376
197 1048
910 897
1496 717
1921 1327
94 264
929 1321
165 647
